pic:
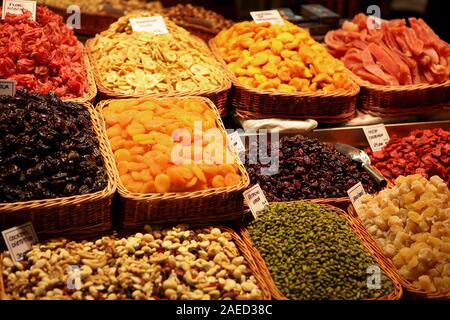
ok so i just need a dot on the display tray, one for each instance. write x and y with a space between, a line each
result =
396 294
406 284
240 244
138 209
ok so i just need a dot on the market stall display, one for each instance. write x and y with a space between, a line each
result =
55 168
313 253
98 15
398 67
173 263
280 71
307 169
422 151
44 56
172 161
409 224
201 22
133 64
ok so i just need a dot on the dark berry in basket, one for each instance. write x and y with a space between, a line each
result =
308 169
48 149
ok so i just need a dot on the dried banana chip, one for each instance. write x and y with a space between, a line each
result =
198 69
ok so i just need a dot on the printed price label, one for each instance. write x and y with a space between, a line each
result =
154 24
355 193
19 240
272 16
256 199
17 7
377 136
235 142
7 87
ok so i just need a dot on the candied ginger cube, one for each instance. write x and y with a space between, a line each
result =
426 284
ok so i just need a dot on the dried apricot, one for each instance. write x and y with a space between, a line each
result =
162 183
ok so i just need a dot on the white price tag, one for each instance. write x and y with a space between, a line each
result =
154 24
17 7
377 136
7 87
235 142
256 199
272 16
19 240
355 193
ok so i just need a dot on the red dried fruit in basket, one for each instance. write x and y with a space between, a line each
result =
426 152
42 55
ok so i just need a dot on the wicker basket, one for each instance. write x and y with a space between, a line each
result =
219 95
82 215
91 23
194 207
250 103
277 294
402 100
240 244
91 93
406 284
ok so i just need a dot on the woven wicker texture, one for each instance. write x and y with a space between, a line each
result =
407 285
77 215
250 103
277 294
202 206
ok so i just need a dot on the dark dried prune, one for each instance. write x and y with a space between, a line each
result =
48 149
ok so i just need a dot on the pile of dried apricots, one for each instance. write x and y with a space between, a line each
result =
159 147
280 58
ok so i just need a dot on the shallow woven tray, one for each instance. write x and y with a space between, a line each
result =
83 215
251 103
402 100
210 205
91 93
240 244
218 95
406 284
278 295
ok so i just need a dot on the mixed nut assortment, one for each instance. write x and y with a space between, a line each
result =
176 263
312 253
308 169
158 148
411 222
101 6
144 63
48 149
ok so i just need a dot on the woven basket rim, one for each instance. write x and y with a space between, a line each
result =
396 294
244 183
109 190
353 92
91 92
408 285
400 88
240 244
225 85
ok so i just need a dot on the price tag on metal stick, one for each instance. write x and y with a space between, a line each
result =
377 136
255 199
19 240
7 87
154 24
355 193
272 16
235 142
18 6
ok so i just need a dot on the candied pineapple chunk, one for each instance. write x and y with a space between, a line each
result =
413 228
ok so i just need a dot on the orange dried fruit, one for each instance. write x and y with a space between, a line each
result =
232 179
162 183
122 155
137 150
114 131
126 117
135 128
123 168
218 182
136 166
199 173
117 142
